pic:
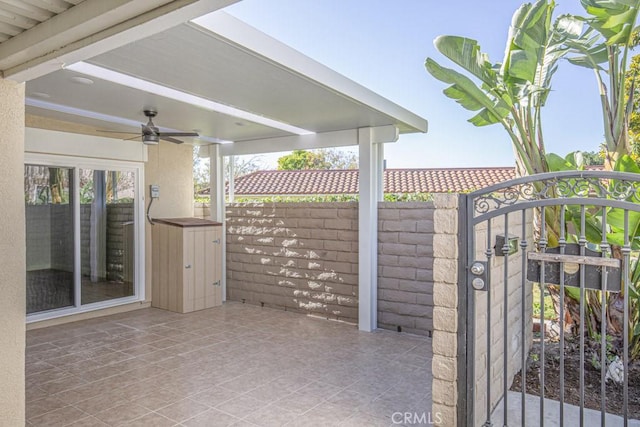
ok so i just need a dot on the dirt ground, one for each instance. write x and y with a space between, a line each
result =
613 393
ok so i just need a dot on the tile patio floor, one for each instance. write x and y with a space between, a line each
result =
235 365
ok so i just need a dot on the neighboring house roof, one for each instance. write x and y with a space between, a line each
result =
306 182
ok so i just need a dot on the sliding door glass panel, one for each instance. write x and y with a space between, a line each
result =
50 237
107 225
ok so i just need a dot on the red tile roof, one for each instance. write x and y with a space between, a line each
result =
311 182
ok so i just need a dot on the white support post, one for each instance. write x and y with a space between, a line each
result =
380 166
217 204
368 232
232 181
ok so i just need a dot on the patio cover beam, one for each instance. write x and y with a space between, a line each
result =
91 28
341 138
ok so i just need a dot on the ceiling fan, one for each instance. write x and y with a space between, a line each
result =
151 135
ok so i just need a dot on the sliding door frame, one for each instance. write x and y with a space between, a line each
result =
77 163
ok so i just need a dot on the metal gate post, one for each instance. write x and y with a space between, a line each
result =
466 383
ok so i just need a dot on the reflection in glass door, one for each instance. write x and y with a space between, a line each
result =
107 219
50 237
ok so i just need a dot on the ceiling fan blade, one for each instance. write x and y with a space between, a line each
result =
133 137
168 138
192 134
117 131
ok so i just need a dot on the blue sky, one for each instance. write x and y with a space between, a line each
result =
382 44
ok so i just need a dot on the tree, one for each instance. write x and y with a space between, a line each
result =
604 47
511 93
318 159
243 165
592 158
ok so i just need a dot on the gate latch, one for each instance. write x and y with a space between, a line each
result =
477 275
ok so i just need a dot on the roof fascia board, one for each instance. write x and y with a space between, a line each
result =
91 28
239 33
342 138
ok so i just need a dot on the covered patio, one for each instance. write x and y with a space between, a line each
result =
233 365
75 78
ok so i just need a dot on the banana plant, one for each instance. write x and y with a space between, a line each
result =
513 92
604 45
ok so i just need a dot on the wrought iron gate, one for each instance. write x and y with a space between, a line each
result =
574 235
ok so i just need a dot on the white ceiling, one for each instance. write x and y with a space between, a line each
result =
236 66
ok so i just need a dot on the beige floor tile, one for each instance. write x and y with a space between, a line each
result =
182 410
241 406
88 422
265 366
211 418
271 416
151 420
42 406
59 417
214 396
122 414
158 399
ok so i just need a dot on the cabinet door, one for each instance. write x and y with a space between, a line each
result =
189 268
213 273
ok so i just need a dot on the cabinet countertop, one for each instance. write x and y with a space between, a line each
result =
187 222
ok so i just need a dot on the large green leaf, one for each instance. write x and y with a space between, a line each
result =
466 53
466 93
614 19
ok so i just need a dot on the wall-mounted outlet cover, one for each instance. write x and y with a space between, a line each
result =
155 191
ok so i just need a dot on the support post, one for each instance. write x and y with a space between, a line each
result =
13 254
232 180
368 232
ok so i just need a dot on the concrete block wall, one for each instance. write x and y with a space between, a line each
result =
445 361
405 266
297 257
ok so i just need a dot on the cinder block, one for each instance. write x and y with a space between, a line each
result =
445 319
398 249
336 245
399 272
445 270
398 296
425 226
416 213
415 238
444 221
444 368
400 225
445 201
387 237
388 214
445 295
444 343
338 224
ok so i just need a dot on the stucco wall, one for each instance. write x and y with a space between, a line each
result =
295 256
12 253
405 266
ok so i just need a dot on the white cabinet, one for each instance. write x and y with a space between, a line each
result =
187 264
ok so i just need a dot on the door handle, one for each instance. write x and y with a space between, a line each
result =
216 283
216 241
187 266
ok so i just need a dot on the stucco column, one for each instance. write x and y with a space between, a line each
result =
12 254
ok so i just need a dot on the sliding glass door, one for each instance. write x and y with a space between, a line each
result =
106 232
50 245
82 226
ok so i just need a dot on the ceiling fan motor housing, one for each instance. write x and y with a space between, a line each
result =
150 139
